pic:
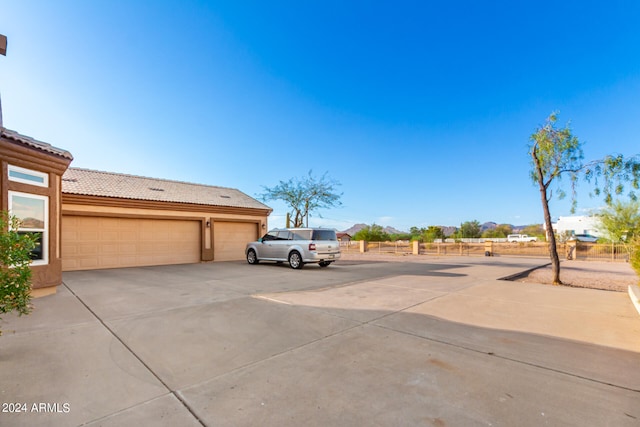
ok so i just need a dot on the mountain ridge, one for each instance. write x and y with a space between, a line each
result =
448 229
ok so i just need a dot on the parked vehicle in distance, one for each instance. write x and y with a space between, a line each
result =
521 238
297 246
584 238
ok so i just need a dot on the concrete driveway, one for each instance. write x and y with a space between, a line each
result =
436 342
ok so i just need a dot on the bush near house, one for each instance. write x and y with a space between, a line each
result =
634 259
15 273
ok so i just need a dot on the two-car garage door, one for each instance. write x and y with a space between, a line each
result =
90 242
93 242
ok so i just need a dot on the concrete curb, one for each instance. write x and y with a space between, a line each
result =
634 293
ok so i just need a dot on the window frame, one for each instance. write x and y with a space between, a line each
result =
25 171
44 230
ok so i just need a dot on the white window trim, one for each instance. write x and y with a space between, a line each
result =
44 176
44 231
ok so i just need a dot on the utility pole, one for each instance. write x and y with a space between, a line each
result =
3 51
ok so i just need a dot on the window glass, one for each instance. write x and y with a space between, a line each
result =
32 210
37 253
28 176
324 235
301 234
284 235
272 235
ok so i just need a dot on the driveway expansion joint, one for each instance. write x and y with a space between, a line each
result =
133 353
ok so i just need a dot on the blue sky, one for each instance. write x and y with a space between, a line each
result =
422 110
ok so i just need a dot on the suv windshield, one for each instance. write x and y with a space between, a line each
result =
324 235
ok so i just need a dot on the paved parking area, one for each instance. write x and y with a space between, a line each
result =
435 342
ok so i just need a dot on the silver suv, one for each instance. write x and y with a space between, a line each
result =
297 246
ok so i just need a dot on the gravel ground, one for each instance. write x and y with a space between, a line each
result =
609 276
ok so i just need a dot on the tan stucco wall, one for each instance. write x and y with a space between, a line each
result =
16 154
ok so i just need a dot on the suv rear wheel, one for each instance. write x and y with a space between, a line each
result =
295 260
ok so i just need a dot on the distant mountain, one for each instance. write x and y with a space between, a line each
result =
32 223
354 229
488 226
391 230
357 227
493 225
446 229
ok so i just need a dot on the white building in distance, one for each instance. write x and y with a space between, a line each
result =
572 225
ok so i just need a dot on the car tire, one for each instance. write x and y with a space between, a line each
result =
295 260
252 258
324 263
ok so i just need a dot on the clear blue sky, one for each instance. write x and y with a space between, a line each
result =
422 110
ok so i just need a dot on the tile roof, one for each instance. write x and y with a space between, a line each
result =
107 184
27 140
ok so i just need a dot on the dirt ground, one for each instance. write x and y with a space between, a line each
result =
609 276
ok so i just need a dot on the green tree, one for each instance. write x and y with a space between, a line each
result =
535 230
505 229
15 273
416 233
304 195
501 231
556 153
399 236
620 221
470 229
432 233
372 233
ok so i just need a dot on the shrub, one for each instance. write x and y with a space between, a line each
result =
15 273
634 258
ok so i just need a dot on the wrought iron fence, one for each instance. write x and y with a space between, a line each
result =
350 246
603 252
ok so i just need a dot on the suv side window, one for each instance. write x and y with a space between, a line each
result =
324 235
302 235
284 235
272 235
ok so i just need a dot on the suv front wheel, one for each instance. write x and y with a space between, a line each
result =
295 260
252 258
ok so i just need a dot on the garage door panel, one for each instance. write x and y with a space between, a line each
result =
108 248
230 239
87 235
101 242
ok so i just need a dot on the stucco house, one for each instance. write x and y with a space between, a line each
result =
30 188
343 237
92 219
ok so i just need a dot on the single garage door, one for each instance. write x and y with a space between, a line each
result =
230 239
98 242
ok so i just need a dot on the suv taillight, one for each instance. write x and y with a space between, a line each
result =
312 246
